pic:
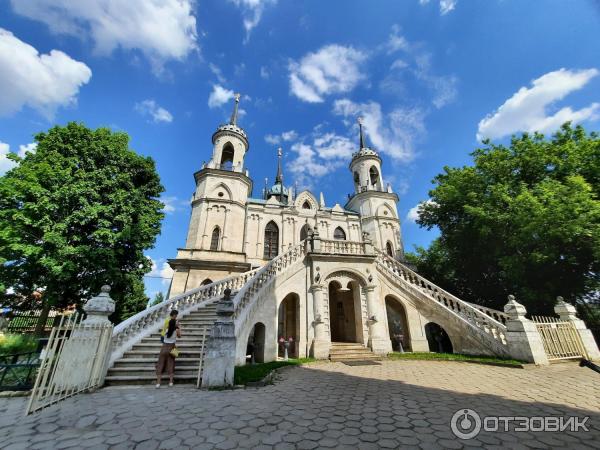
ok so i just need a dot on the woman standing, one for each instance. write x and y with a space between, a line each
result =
166 357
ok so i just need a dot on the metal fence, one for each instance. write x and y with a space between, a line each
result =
560 338
26 321
18 371
73 361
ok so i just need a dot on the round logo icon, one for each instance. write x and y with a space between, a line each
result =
465 424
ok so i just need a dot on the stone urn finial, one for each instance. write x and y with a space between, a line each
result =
100 307
514 310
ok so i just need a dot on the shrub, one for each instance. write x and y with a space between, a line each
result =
17 343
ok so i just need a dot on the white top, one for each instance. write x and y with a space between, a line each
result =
173 337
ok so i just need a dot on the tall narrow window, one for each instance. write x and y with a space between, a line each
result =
271 240
374 175
339 234
227 156
214 240
389 249
306 205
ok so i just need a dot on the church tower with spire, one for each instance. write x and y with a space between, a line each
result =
214 246
375 203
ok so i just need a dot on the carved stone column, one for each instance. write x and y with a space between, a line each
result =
322 340
568 312
522 337
219 362
378 341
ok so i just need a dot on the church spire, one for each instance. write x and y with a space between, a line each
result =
279 177
362 139
234 114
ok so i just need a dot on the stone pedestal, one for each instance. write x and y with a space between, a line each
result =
568 312
522 337
219 360
322 341
378 341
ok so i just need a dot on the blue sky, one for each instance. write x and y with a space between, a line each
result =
428 77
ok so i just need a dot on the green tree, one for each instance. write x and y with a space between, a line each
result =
77 213
524 219
158 298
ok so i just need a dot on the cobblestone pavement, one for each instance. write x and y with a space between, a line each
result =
407 404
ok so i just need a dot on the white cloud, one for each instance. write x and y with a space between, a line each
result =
152 109
414 212
446 6
219 96
216 70
264 73
326 153
396 41
43 82
332 69
252 11
527 109
398 65
443 87
393 133
165 271
7 164
161 29
286 136
172 204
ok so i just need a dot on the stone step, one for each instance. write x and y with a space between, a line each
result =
154 354
371 357
185 338
123 380
137 362
148 371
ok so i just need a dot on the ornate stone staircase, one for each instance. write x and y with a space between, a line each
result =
350 351
137 366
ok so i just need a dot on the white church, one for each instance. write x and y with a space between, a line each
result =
327 282
336 294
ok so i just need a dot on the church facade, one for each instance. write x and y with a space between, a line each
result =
323 278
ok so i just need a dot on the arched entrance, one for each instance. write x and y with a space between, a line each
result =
345 321
438 339
255 349
397 325
288 324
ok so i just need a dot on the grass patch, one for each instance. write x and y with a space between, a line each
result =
256 372
17 343
454 357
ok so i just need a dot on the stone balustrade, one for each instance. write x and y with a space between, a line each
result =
493 313
480 319
144 323
339 247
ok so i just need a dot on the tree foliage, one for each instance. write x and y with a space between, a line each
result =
77 213
524 220
158 298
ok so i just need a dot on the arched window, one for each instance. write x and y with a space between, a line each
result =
305 205
227 156
389 249
339 234
374 175
205 282
304 232
271 241
356 179
214 240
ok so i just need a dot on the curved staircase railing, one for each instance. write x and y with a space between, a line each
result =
130 331
245 300
493 330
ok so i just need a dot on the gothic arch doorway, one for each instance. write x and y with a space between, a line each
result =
345 319
288 326
255 349
397 325
437 338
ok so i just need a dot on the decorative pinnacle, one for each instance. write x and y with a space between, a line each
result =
362 139
279 177
234 114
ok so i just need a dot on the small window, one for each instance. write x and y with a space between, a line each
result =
227 156
214 240
339 234
306 205
389 249
220 194
205 282
374 175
